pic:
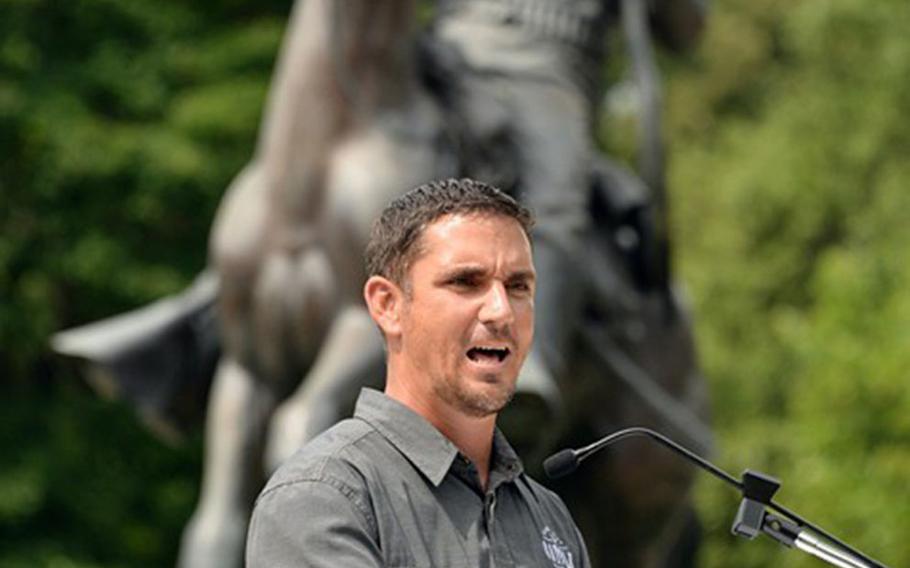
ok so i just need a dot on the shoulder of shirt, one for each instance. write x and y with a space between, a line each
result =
557 510
547 497
329 466
332 458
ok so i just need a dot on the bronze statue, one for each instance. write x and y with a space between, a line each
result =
359 111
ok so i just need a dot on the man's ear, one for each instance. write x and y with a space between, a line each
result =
384 301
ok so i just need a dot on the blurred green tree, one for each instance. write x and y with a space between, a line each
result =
789 144
121 123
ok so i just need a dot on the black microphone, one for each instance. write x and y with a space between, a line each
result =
561 464
751 519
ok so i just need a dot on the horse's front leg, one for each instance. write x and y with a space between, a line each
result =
239 409
351 357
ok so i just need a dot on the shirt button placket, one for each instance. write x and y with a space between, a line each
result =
490 509
497 554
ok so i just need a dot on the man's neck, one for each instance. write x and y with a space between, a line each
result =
473 436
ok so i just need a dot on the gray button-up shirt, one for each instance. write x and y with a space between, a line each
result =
385 488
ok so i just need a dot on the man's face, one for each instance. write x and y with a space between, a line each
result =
467 318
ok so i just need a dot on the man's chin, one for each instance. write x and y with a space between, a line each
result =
485 402
478 395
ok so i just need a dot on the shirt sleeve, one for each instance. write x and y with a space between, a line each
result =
311 524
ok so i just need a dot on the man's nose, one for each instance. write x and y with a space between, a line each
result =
496 308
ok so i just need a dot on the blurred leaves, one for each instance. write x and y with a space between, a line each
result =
64 495
789 174
121 123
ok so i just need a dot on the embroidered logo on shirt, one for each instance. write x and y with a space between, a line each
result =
556 550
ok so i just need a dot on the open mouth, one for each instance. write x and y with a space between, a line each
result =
488 354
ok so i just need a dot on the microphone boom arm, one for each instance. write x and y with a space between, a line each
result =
757 489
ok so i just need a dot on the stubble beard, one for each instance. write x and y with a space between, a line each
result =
477 404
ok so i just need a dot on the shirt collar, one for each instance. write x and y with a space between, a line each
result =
418 440
422 444
505 462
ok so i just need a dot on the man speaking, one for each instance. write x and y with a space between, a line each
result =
421 476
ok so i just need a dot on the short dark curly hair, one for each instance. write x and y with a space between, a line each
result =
394 239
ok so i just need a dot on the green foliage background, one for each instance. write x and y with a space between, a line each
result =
790 139
122 121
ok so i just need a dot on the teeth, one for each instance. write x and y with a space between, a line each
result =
498 352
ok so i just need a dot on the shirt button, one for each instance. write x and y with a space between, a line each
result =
492 508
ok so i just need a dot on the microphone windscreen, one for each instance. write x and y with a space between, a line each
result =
560 464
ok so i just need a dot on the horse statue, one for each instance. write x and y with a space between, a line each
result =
274 338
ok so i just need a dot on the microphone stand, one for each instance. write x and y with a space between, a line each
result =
752 518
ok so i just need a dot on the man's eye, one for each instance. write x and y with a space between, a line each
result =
520 287
464 281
